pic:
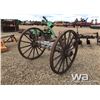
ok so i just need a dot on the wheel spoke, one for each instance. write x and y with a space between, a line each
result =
40 49
71 41
37 51
25 41
27 50
71 48
66 61
70 59
57 57
60 65
58 49
25 46
68 38
63 64
58 62
65 39
27 37
60 41
33 52
71 45
30 52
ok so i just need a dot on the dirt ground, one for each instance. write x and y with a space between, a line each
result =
16 70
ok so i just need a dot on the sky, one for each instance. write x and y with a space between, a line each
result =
66 10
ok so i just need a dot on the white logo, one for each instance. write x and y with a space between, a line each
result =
80 77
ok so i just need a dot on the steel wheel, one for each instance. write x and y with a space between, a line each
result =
63 52
28 45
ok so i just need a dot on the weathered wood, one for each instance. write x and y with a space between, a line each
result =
9 38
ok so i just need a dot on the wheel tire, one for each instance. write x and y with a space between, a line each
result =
63 52
29 39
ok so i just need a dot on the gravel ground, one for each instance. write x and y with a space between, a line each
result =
17 70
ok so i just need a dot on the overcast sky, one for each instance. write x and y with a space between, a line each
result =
53 9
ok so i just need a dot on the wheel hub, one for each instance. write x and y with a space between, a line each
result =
34 44
67 53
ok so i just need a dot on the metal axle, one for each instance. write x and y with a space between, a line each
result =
46 44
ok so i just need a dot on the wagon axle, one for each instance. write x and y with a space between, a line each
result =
45 44
34 44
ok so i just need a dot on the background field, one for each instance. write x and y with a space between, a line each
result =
17 70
